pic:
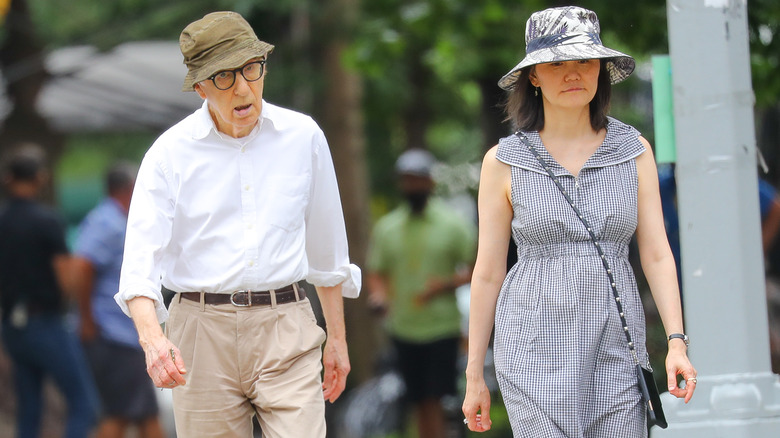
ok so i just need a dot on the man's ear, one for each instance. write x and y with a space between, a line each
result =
200 91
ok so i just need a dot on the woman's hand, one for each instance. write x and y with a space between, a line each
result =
476 406
677 363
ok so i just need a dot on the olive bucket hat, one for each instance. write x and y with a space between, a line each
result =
567 34
218 41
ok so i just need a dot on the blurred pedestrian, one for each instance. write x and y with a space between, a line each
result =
233 207
563 360
34 279
420 253
110 340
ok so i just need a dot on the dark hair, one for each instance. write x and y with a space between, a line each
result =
120 176
25 163
526 112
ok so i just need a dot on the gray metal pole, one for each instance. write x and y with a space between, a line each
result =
717 194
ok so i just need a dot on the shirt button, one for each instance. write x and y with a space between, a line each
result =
249 226
247 187
251 263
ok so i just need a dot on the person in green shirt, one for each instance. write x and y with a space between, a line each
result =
420 253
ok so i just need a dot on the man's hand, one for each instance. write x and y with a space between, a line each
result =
335 360
434 287
335 357
164 363
377 293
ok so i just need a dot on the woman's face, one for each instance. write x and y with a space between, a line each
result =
567 83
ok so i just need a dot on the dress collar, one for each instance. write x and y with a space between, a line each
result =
620 144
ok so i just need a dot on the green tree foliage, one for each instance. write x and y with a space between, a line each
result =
107 24
424 64
457 41
764 32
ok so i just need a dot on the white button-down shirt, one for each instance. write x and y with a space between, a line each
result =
213 213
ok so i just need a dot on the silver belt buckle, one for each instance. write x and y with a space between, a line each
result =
248 298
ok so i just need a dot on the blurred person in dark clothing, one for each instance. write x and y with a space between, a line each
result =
116 358
34 275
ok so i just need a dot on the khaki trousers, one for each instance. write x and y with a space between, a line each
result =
242 361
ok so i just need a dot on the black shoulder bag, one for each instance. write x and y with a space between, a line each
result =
650 396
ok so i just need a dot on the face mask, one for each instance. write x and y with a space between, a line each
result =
417 201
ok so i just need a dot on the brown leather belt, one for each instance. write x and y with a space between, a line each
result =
248 298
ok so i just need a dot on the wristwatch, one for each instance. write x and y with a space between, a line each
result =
681 336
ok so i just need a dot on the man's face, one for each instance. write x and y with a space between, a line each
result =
415 184
235 111
416 190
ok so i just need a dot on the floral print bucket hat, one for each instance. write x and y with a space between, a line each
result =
566 34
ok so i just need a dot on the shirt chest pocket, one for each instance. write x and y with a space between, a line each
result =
287 200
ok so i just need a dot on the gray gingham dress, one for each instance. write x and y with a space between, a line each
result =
562 361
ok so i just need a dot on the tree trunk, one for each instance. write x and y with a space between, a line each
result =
343 125
21 59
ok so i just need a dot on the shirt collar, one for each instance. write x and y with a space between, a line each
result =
278 117
205 124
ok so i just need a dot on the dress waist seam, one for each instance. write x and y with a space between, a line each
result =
571 249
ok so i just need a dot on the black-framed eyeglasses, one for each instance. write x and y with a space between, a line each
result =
251 72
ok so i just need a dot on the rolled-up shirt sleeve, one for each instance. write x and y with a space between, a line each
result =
326 237
149 228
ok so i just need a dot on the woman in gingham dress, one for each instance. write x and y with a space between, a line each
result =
561 356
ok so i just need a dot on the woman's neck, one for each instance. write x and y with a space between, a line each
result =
569 138
565 124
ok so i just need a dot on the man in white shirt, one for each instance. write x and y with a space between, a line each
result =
232 207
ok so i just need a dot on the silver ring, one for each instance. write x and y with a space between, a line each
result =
465 421
691 379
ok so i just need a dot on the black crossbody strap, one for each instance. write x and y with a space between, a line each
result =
593 239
